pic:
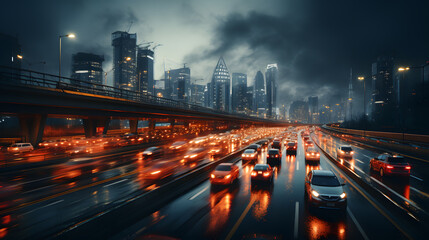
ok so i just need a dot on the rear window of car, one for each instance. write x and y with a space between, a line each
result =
260 168
291 144
273 151
396 160
327 181
311 149
249 151
223 168
346 149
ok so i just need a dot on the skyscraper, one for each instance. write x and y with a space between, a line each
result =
239 91
382 90
124 60
249 100
179 81
145 82
350 99
87 67
259 92
298 111
271 79
221 83
313 108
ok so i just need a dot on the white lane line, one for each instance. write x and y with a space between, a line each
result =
297 165
51 204
421 192
416 178
295 227
111 184
364 236
359 161
366 156
199 193
37 189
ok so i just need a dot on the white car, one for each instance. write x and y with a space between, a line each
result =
20 147
345 151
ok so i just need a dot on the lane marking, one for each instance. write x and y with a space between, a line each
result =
111 184
199 193
359 161
51 204
416 178
36 189
297 165
237 224
421 192
364 236
295 227
370 201
366 156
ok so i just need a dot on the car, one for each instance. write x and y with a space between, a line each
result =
178 146
194 154
324 190
249 155
263 143
153 152
274 157
308 144
159 170
311 154
345 151
217 150
256 147
291 148
224 173
20 147
387 164
277 145
262 172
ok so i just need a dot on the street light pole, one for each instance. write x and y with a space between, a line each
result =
364 105
59 57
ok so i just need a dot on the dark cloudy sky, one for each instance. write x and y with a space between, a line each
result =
314 42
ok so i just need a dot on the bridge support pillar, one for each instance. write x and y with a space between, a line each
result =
134 125
32 127
90 126
171 121
152 123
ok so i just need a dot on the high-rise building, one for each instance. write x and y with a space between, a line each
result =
298 111
383 104
208 95
197 94
271 91
259 92
313 108
124 60
145 83
239 92
9 51
221 84
350 99
179 81
249 109
326 114
87 67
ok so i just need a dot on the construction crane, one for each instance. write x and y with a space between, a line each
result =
129 28
157 45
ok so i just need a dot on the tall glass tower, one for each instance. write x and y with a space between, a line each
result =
221 83
271 78
124 60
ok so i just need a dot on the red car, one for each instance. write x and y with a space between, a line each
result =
386 164
224 173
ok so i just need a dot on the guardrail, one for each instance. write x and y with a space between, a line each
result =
22 77
405 137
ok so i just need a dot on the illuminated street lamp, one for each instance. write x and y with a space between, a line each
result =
71 35
362 78
19 56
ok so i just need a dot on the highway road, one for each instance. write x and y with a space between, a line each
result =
246 211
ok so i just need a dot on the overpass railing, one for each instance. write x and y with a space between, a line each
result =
28 78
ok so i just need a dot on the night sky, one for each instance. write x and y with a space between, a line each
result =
314 42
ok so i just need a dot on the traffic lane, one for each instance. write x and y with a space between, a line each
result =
179 216
410 191
81 202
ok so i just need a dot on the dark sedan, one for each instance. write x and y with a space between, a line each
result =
262 172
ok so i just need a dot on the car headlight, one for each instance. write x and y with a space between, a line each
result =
314 193
343 195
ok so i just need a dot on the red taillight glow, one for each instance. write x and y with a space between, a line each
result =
212 176
408 167
253 174
277 155
266 174
389 166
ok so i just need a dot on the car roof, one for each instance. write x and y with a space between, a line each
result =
226 164
273 150
262 165
345 146
323 173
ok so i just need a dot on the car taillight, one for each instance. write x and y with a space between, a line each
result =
294 146
212 176
317 154
266 174
253 173
389 166
277 155
308 154
352 152
408 167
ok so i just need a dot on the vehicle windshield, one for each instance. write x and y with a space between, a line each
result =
249 151
396 160
311 150
347 149
223 168
260 168
327 181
